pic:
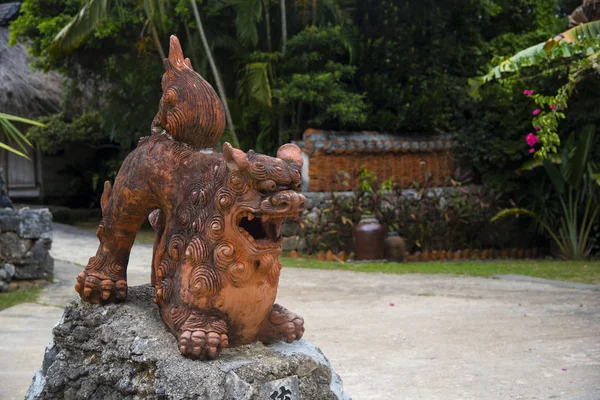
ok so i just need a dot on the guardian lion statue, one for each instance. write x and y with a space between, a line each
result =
216 218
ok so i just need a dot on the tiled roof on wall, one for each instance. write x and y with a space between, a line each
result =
316 141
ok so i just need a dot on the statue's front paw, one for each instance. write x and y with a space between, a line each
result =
281 324
99 289
201 344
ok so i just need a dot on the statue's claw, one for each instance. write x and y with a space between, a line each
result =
201 344
99 289
202 337
281 324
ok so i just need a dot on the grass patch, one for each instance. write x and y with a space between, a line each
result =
571 271
21 296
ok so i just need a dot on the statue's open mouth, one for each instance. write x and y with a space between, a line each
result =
261 229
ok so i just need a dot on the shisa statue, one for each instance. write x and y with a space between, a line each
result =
216 218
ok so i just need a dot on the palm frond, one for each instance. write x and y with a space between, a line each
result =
255 87
14 134
81 26
249 14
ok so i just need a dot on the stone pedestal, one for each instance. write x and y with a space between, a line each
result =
124 351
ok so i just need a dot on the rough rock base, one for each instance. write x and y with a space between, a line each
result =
125 352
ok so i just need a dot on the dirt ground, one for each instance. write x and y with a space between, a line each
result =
388 336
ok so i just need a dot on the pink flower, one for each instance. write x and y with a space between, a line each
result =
527 92
553 106
537 128
392 304
531 139
536 111
531 150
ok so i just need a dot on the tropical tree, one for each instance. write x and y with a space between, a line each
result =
94 12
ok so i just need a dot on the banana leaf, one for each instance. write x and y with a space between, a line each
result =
555 47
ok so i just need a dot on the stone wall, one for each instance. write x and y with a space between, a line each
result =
25 240
4 200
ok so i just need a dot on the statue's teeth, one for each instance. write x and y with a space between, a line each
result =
250 217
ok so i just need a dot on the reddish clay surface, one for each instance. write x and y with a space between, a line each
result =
217 219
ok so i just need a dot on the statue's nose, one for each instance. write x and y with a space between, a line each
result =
288 201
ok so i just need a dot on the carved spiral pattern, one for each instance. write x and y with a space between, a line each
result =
176 246
96 263
295 175
114 269
275 172
224 255
225 199
197 251
178 316
216 228
200 221
197 194
258 170
186 214
238 273
219 170
205 281
237 183
274 268
165 270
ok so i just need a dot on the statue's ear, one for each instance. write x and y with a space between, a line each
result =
235 155
290 152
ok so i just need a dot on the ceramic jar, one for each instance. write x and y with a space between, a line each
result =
394 247
369 235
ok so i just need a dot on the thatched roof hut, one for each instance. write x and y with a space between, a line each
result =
28 94
23 92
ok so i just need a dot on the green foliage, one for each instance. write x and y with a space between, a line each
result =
58 132
582 39
570 212
114 71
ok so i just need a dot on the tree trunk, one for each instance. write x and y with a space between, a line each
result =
216 74
268 22
161 52
314 13
283 27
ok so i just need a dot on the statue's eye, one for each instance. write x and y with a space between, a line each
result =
267 186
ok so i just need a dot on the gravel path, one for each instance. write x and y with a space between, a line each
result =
388 336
